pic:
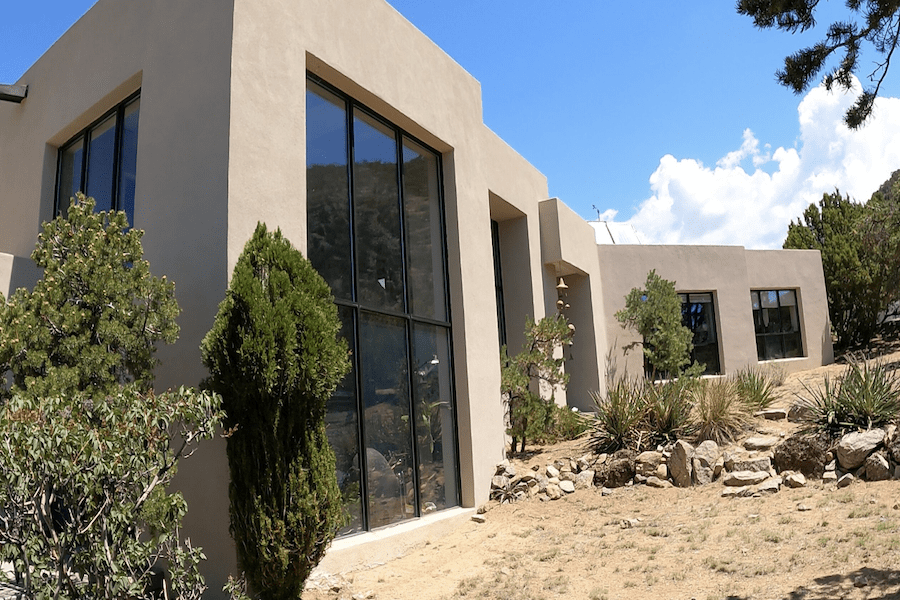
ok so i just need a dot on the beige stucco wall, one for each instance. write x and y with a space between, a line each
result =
568 250
730 272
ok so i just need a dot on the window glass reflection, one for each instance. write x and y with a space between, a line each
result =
422 218
101 158
328 190
70 161
433 409
377 215
385 388
342 427
128 159
777 322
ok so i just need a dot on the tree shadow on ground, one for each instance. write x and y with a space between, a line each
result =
874 584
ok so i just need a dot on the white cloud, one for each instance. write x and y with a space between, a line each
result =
738 203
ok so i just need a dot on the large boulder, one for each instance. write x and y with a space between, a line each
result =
617 471
854 447
647 463
802 453
877 467
679 464
703 462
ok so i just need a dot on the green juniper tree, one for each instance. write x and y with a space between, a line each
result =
655 313
858 273
88 449
92 322
876 22
274 355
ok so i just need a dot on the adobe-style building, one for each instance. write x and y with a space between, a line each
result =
343 125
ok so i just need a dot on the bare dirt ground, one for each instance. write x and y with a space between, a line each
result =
812 543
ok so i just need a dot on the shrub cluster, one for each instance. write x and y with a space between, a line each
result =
637 413
865 396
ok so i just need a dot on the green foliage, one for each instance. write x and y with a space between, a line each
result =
563 424
719 414
858 276
83 487
655 313
92 322
619 414
88 450
640 413
274 355
866 396
669 409
874 21
538 365
756 388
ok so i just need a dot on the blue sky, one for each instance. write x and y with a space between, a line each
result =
666 113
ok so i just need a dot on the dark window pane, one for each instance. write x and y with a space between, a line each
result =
327 190
128 159
70 161
101 155
422 218
377 214
433 411
773 347
792 345
771 320
342 427
385 388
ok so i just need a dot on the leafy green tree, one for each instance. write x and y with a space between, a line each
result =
880 233
857 279
274 355
83 480
655 313
876 22
537 366
92 322
87 449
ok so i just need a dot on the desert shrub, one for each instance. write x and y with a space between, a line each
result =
563 424
865 396
718 412
83 483
668 409
755 387
274 355
619 415
528 413
655 314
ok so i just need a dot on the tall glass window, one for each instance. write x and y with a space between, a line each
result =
698 314
101 161
376 234
777 323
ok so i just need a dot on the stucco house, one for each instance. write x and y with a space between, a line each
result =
343 125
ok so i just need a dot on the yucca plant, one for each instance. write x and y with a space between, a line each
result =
668 408
866 396
756 388
619 415
718 414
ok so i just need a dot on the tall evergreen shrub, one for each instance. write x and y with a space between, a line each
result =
274 356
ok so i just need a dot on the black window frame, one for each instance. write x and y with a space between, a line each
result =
358 308
764 338
119 111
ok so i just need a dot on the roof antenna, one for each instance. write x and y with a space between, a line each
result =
594 206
